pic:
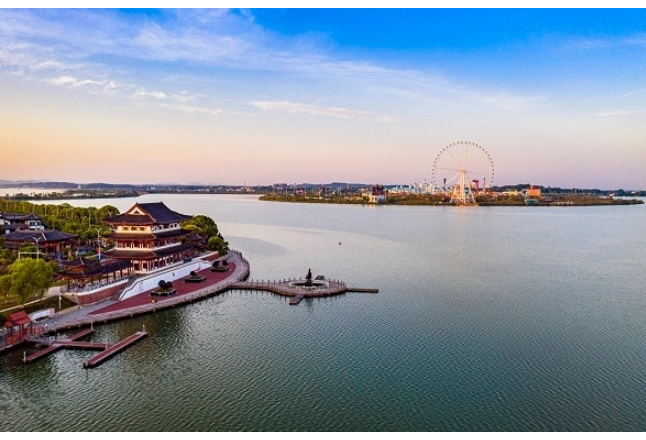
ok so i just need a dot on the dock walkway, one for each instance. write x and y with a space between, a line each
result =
295 289
57 344
114 349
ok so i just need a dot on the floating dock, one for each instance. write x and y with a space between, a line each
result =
114 349
107 350
56 344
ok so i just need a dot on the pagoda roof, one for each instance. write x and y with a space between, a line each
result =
13 216
83 268
147 214
47 236
80 262
148 235
144 254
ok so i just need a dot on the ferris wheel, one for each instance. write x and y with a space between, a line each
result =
462 169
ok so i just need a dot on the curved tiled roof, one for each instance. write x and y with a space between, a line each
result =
147 235
138 253
88 270
147 214
46 236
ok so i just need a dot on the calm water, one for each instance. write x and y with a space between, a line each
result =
487 319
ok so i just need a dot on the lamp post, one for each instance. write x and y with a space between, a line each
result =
98 241
36 240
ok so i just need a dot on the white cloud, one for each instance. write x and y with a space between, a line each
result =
92 86
318 110
144 93
49 64
184 96
72 82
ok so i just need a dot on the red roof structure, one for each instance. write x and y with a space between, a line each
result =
20 318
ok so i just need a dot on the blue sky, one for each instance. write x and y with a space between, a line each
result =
557 97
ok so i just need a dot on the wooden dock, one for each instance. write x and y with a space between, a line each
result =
107 350
56 344
296 291
361 290
114 349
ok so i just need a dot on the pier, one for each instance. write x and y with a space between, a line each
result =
297 289
107 350
114 349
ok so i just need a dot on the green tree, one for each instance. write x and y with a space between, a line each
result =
217 244
27 279
203 225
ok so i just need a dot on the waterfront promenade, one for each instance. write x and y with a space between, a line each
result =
144 302
128 305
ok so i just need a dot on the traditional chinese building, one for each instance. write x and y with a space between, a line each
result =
150 236
12 222
50 243
90 280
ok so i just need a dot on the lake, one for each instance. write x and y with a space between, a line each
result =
487 319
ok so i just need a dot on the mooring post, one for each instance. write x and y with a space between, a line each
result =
24 356
144 328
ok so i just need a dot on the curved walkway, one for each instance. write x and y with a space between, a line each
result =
110 310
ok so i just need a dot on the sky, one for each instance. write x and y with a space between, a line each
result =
555 97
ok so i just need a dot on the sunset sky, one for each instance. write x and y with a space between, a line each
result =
557 97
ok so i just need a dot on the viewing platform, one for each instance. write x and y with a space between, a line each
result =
299 289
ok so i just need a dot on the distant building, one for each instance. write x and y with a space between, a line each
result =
149 235
532 195
533 192
16 222
377 194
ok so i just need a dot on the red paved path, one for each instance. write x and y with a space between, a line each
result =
179 284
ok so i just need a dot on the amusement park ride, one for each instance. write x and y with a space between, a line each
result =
458 170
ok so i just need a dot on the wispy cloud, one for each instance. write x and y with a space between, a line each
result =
93 86
617 113
192 110
596 43
202 45
184 96
636 40
318 110
144 93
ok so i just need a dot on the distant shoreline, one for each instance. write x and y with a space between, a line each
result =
567 201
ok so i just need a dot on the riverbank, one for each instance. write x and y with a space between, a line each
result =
443 200
113 309
71 194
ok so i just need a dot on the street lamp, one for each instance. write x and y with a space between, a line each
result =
36 240
98 240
